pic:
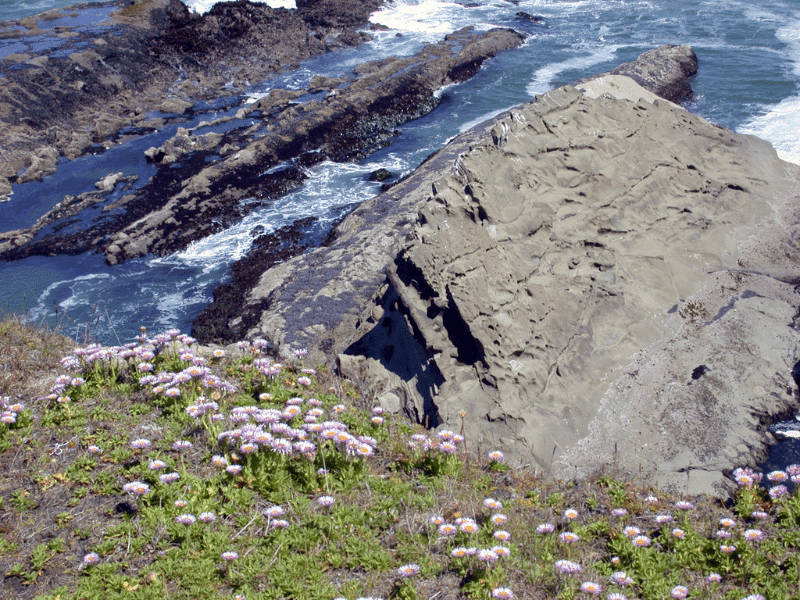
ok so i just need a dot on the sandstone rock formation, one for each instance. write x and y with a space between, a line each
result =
590 282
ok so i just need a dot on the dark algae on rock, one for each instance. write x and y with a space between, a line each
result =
226 312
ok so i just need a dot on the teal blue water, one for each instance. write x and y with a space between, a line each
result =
25 8
749 80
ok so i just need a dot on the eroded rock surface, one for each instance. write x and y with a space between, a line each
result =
596 282
556 252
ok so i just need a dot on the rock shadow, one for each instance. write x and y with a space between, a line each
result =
395 343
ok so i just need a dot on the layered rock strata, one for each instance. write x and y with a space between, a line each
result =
263 157
592 281
91 81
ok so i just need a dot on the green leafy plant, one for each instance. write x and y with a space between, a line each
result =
23 500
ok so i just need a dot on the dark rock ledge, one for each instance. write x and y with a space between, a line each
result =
600 281
148 55
263 161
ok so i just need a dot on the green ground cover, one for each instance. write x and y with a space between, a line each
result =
162 470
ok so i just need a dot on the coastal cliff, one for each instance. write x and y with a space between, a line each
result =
561 341
597 279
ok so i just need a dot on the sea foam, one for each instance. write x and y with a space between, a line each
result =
544 78
429 17
780 125
203 6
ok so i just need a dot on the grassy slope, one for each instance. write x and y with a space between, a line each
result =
59 501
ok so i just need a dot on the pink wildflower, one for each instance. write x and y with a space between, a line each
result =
590 587
567 566
680 592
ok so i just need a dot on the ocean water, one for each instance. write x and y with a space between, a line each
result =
749 81
25 8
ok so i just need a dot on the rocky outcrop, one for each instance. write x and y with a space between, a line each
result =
663 71
554 254
351 123
262 158
147 55
62 216
592 281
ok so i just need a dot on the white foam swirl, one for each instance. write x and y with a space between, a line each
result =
203 6
781 124
543 79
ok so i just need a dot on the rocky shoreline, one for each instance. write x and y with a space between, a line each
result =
594 281
590 277
94 81
203 178
387 218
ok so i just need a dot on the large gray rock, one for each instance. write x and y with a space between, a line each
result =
591 282
596 246
317 299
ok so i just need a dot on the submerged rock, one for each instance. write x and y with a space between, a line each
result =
380 175
598 281
529 17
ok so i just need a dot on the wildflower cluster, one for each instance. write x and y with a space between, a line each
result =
436 455
9 410
233 473
446 442
166 365
476 547
272 429
648 544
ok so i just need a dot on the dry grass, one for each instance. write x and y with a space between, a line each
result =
29 356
